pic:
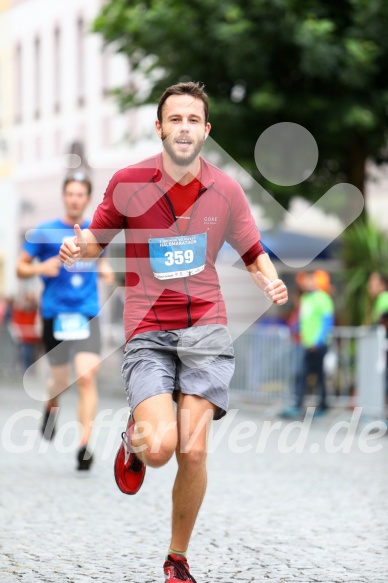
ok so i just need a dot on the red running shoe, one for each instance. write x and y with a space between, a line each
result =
176 570
129 470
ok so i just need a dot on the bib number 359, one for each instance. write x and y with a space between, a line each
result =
179 257
182 256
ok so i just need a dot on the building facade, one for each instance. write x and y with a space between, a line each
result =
56 79
8 195
56 82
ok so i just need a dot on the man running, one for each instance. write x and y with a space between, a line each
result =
69 307
177 211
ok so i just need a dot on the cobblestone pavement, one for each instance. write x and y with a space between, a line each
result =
269 515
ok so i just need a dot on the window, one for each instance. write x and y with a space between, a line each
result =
18 84
104 72
106 133
38 78
57 70
1 92
20 152
80 62
38 148
58 143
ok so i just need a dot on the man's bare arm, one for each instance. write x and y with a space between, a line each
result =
26 268
264 275
82 246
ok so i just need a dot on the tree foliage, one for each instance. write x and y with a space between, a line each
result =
319 63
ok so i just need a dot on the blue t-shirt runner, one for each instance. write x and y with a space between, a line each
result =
75 288
69 308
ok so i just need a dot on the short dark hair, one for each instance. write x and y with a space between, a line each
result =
196 90
78 177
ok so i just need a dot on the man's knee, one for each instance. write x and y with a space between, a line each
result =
86 367
86 380
156 453
192 458
57 384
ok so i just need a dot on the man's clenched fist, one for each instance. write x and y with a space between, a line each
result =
275 290
73 248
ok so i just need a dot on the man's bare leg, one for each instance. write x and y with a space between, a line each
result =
155 435
86 366
57 383
195 416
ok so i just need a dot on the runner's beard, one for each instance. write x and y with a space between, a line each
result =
181 160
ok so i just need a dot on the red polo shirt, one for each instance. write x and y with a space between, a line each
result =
137 200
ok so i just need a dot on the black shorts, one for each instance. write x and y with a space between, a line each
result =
60 352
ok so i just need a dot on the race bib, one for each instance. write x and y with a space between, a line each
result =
71 327
173 257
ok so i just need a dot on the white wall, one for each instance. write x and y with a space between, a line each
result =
39 144
8 195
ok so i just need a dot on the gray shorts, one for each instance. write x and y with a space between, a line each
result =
196 361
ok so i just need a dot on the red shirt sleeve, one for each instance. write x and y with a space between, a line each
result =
107 220
252 254
243 233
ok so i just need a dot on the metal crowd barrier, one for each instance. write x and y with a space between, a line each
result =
267 362
355 366
264 363
357 374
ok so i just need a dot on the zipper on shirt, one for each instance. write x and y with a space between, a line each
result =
200 192
189 319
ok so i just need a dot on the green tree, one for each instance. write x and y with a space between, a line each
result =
319 63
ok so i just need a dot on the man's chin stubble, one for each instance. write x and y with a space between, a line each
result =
183 161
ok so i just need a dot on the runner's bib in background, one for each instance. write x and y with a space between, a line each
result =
71 327
173 257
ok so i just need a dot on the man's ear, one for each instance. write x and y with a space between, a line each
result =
158 127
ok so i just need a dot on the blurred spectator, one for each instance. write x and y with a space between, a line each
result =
316 320
3 309
384 322
293 323
7 344
322 280
378 292
26 329
8 310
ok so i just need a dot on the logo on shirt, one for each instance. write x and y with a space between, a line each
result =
76 280
210 220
